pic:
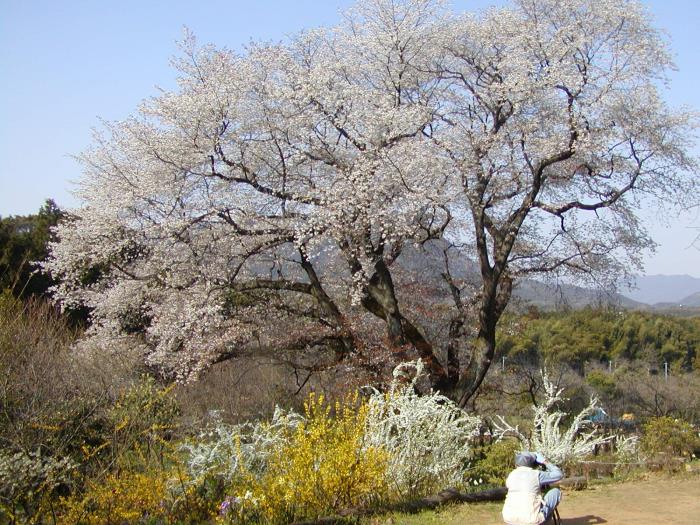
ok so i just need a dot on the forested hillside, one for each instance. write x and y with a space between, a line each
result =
23 242
601 336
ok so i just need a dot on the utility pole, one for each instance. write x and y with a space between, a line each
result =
666 370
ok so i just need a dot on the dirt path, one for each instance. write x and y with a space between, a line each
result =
660 501
655 502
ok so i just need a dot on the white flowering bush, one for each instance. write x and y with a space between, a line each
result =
626 448
27 479
427 437
226 450
549 435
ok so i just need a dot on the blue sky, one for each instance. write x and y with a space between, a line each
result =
66 64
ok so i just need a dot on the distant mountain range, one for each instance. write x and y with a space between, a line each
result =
652 292
550 297
691 301
665 290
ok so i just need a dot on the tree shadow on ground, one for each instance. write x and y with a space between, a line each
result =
583 520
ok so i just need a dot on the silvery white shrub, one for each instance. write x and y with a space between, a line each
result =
626 448
548 435
427 437
25 477
227 450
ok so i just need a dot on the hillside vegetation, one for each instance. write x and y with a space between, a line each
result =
602 336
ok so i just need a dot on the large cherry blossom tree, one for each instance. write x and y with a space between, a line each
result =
268 201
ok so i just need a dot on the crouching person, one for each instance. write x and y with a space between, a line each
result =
524 502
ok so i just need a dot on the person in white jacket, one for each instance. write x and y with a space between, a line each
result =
524 502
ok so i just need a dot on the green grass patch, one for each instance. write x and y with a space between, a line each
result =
481 513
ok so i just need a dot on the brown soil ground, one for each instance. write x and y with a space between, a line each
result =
654 502
660 501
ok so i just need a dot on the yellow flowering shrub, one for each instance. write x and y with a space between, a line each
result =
324 466
142 422
192 503
130 497
666 436
161 496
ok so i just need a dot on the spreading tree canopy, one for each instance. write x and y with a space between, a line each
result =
267 202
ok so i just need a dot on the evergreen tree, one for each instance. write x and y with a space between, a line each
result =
23 243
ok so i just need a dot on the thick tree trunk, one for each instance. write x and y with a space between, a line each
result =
484 348
496 293
344 344
450 380
381 301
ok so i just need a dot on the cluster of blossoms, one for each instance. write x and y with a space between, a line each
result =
228 451
427 436
24 477
426 440
547 434
236 503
